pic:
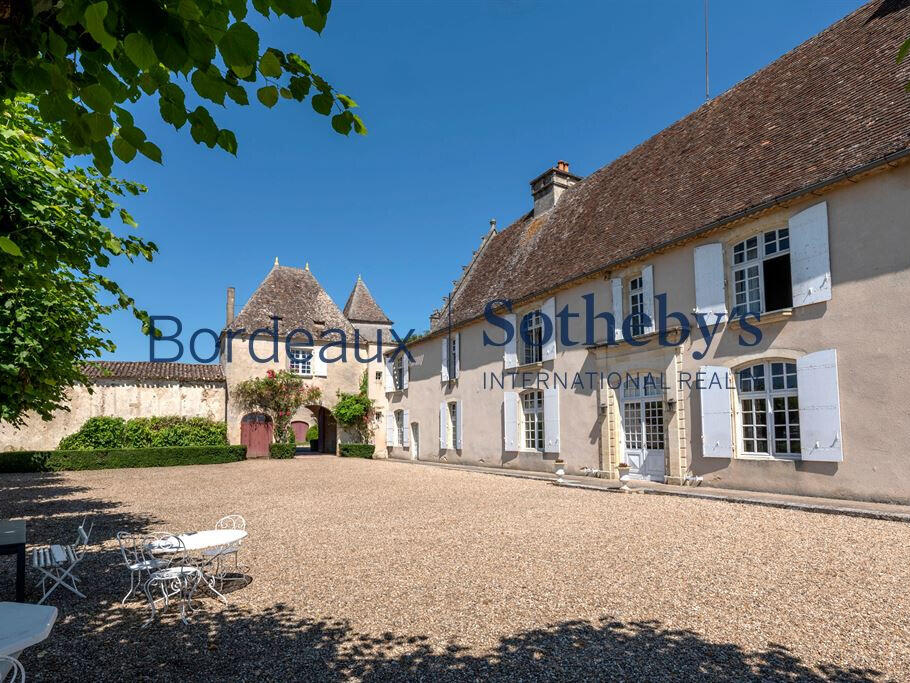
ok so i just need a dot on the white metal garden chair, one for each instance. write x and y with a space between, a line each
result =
12 667
57 563
139 566
217 555
179 577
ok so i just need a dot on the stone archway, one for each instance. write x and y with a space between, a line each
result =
328 429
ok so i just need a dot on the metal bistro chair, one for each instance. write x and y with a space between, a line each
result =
178 578
218 554
58 563
12 667
139 566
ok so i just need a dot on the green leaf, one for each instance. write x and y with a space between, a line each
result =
172 112
905 48
133 135
140 51
227 141
269 65
240 48
209 84
342 123
268 95
94 24
100 125
123 149
238 9
346 101
102 157
56 44
151 151
322 103
299 87
128 220
237 93
97 97
189 10
202 127
359 128
7 245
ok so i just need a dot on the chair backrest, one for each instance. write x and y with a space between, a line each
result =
231 522
165 547
130 547
83 534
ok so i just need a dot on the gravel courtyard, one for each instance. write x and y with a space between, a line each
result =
383 570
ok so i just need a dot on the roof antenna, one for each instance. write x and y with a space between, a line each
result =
707 90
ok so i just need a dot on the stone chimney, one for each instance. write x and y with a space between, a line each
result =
230 305
434 318
549 186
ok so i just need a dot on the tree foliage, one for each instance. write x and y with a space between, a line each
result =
52 243
278 395
86 62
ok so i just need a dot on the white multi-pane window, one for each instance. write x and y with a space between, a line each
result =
532 419
398 372
399 426
532 337
643 415
637 305
301 362
769 409
453 425
761 273
453 356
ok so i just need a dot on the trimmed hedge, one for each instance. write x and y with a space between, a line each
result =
282 450
115 458
146 432
357 450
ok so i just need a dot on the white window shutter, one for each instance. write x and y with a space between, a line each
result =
443 434
710 295
616 286
647 290
510 350
444 365
390 430
549 311
810 264
456 366
458 425
551 420
405 370
319 364
406 443
819 407
510 420
716 413
389 384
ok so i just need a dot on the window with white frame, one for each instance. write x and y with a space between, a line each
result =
761 273
637 305
399 426
453 355
532 420
531 336
398 372
769 409
453 424
301 362
643 414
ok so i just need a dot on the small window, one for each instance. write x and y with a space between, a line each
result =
761 273
769 409
398 372
531 337
399 426
453 360
301 362
453 424
532 420
637 305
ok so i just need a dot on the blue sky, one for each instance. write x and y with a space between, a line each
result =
465 103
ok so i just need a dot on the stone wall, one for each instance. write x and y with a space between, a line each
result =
117 398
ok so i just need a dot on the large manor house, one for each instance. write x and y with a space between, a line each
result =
781 205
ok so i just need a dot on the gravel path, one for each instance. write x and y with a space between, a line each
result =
376 570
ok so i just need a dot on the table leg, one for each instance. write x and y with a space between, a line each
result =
20 573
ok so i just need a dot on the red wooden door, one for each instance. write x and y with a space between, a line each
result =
256 434
300 429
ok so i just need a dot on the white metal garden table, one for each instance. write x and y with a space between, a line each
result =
197 541
21 626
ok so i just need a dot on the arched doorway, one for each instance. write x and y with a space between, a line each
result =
328 429
256 434
300 429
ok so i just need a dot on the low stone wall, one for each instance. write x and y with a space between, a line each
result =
117 398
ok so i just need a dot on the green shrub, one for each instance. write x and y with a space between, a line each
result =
146 432
312 433
357 450
282 450
114 458
97 432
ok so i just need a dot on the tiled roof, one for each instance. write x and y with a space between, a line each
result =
834 105
182 372
297 298
362 307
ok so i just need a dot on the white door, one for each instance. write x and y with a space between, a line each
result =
643 433
415 441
